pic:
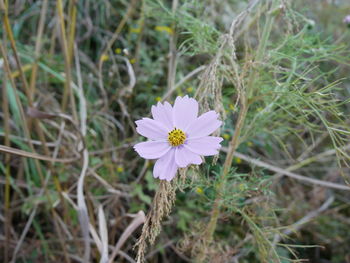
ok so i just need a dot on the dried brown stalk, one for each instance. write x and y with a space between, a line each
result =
161 207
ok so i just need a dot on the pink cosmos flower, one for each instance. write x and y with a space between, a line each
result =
177 137
346 20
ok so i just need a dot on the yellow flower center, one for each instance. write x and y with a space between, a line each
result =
176 137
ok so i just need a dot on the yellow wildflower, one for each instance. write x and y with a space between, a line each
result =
133 60
179 93
238 160
226 136
104 57
199 190
120 169
118 50
166 29
232 107
189 90
158 98
135 30
242 187
250 144
24 68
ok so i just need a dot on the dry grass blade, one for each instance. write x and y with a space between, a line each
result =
290 174
128 89
67 93
36 156
7 224
103 234
92 230
172 63
24 233
161 207
182 81
139 219
38 46
33 213
303 221
82 209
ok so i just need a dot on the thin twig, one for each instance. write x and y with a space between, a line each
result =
103 234
5 108
15 151
136 222
33 213
172 51
290 174
67 61
38 45
301 222
182 81
82 209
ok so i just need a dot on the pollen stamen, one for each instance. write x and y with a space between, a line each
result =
176 137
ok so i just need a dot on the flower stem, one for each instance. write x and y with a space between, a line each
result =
234 143
228 162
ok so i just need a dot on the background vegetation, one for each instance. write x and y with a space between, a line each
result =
75 75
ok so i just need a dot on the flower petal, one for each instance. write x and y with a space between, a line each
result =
152 149
206 146
163 114
151 129
184 157
206 124
165 168
185 111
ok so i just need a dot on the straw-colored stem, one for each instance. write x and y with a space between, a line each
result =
110 42
5 108
27 89
38 45
234 143
9 34
140 35
172 52
26 125
67 92
73 21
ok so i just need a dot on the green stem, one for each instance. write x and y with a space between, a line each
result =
234 143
